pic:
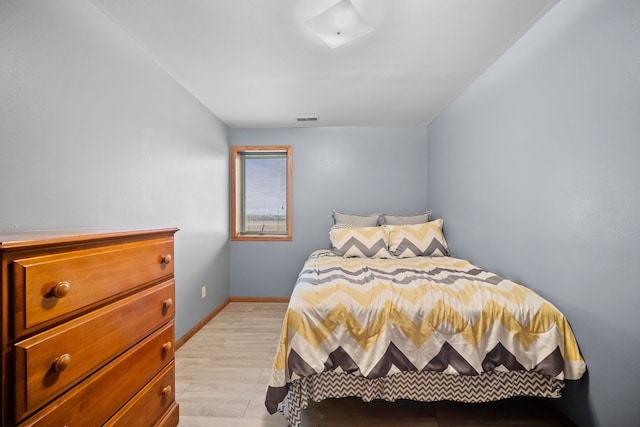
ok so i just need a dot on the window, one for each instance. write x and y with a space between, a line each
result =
261 193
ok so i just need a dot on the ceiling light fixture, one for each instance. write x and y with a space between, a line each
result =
339 24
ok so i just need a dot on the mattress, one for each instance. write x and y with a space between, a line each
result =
432 318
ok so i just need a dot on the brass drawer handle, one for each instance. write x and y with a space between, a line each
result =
62 362
61 289
166 304
166 347
166 390
165 259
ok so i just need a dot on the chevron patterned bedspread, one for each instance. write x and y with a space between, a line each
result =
377 317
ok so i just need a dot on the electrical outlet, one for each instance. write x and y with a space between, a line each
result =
204 292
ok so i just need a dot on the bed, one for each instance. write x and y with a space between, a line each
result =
388 314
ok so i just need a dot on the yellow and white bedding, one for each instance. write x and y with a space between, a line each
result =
374 318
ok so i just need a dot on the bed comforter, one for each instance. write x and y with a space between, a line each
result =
378 317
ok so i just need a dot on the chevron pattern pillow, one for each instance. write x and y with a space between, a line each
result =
362 242
406 241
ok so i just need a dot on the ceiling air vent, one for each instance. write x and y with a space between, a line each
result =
307 119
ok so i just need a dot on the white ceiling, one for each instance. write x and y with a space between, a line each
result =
255 63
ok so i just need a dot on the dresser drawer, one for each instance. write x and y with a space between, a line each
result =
95 400
56 286
146 407
51 362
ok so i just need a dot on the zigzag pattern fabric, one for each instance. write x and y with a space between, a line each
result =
369 242
413 240
423 386
375 318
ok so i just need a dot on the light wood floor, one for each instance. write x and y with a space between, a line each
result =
223 371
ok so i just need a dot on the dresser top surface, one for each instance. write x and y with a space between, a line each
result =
20 239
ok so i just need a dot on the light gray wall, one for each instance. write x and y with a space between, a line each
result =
356 170
535 170
93 133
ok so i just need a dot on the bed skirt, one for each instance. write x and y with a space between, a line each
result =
424 386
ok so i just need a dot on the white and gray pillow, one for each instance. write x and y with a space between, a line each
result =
361 242
413 240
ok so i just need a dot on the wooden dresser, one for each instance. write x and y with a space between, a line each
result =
87 328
